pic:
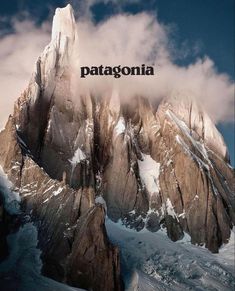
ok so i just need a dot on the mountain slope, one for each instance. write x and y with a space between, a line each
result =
156 166
151 261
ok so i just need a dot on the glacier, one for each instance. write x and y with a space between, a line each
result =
151 261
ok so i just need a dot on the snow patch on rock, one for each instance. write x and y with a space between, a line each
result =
58 191
10 197
120 126
170 209
79 156
149 173
63 22
100 200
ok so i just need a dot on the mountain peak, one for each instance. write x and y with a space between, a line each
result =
64 23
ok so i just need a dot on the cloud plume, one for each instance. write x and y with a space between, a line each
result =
147 41
120 40
18 53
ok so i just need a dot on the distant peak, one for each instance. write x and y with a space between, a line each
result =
64 23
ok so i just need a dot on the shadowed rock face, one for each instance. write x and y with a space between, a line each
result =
3 231
158 167
155 166
71 231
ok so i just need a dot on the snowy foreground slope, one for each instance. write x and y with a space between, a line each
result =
22 268
151 261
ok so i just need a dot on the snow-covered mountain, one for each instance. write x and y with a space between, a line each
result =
151 167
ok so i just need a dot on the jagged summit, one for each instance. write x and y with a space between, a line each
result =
155 167
192 113
107 148
59 54
64 23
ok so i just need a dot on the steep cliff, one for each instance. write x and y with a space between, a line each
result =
72 235
156 166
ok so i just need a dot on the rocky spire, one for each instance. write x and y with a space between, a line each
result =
61 49
64 23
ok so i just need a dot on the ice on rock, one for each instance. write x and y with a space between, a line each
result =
59 54
149 173
186 131
64 33
58 191
11 198
64 23
170 209
213 137
78 157
45 201
100 200
48 189
186 109
120 127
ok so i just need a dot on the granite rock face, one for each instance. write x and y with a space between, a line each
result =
156 166
72 235
71 231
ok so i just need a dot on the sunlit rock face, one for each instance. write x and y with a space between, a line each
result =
155 166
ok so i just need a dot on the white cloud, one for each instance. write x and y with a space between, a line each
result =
136 39
120 40
18 53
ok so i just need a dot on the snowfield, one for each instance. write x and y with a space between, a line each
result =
151 261
120 127
149 173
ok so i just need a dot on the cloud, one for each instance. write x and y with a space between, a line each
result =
18 53
120 40
147 41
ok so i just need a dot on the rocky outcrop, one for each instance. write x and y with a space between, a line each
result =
199 188
71 230
72 236
174 171
10 151
70 225
90 251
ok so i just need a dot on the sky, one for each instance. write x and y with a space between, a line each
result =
189 31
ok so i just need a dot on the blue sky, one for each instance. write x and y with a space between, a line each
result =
205 25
